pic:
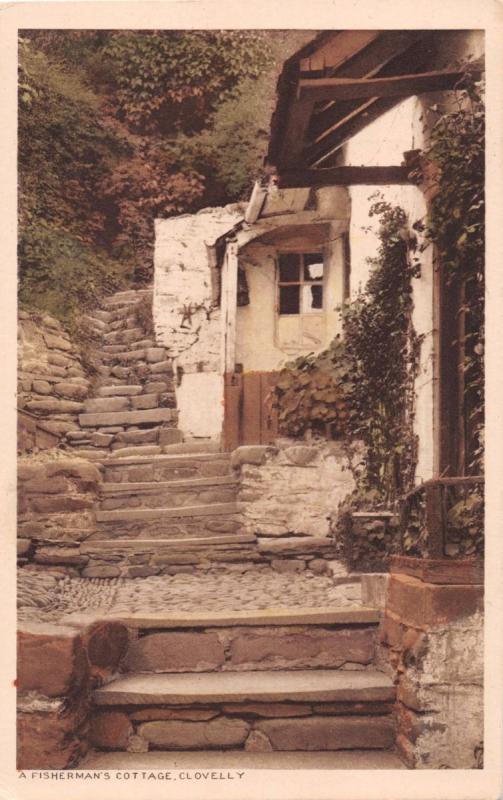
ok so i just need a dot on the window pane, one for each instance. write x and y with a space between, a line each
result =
289 299
289 267
313 267
312 298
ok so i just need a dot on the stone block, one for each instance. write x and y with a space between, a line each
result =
142 572
251 454
191 714
127 417
54 406
368 708
73 391
136 744
114 391
102 439
84 473
300 544
311 648
45 741
179 735
137 437
52 504
101 572
55 485
328 733
301 455
169 436
374 587
281 710
319 566
257 742
162 366
51 660
60 555
156 387
110 730
288 566
145 401
41 387
59 359
106 404
23 546
425 605
56 342
155 355
174 652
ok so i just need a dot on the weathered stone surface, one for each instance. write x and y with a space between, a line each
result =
41 387
23 546
102 439
300 544
290 566
110 730
328 733
106 404
74 391
423 605
145 401
155 355
178 735
191 714
137 437
101 572
45 741
251 454
54 504
281 710
346 709
51 660
87 474
114 391
319 566
172 652
161 366
60 555
136 744
321 648
57 342
301 455
54 406
127 417
142 572
169 436
156 387
53 485
257 742
145 450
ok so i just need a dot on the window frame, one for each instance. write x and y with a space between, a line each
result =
302 252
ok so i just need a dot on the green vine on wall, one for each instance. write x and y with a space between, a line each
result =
362 386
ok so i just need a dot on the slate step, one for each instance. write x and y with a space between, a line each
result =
143 514
224 760
175 494
151 415
224 687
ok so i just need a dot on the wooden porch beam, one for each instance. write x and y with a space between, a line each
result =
319 90
343 176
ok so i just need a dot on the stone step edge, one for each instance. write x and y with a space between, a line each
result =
223 760
167 458
180 542
157 486
138 514
360 615
262 686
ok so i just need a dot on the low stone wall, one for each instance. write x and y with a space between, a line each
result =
288 492
432 641
57 668
52 383
56 509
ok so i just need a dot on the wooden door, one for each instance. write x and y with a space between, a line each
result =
248 417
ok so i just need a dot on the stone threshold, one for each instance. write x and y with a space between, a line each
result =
224 760
359 615
230 687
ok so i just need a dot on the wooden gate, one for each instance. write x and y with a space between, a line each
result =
248 417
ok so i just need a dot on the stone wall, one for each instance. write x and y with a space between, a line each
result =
57 668
187 315
432 641
56 509
288 492
52 383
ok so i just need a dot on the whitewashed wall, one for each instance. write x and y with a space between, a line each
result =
185 319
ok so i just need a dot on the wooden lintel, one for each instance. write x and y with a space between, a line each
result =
343 176
318 90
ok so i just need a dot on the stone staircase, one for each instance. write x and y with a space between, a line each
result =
243 685
133 401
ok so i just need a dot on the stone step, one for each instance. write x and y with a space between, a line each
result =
223 760
174 494
145 514
152 415
302 710
165 467
116 389
144 545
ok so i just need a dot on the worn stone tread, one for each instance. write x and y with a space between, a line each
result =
183 543
222 687
182 459
224 760
126 417
261 618
160 486
132 514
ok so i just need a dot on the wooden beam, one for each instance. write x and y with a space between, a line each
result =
295 131
228 306
321 89
343 176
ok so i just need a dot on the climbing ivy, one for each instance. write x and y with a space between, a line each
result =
362 386
455 161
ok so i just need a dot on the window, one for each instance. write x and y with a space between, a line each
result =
300 281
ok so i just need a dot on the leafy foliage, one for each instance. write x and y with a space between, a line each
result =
456 226
363 385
